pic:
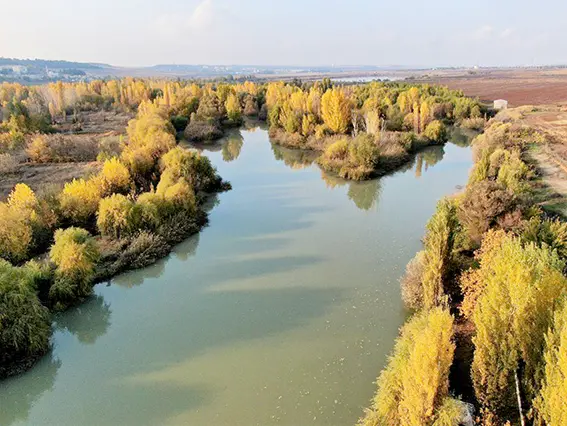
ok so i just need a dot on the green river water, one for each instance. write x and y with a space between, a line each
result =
281 312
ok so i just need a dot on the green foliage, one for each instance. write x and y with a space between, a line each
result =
415 384
438 243
75 254
194 168
547 233
179 122
25 326
356 158
436 132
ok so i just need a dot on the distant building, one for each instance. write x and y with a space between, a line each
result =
500 104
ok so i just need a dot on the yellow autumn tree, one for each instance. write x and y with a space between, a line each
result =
335 110
551 404
522 285
233 108
415 383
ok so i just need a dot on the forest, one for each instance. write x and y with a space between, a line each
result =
488 338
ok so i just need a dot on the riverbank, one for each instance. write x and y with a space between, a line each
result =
465 274
266 316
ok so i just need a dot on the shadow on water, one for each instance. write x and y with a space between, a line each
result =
88 321
16 402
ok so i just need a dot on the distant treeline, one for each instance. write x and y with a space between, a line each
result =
42 63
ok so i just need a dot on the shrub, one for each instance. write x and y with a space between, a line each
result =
23 223
62 148
412 282
194 168
198 130
436 131
351 159
473 123
179 122
144 249
547 233
148 211
8 163
114 216
25 325
482 204
75 255
79 200
181 197
115 177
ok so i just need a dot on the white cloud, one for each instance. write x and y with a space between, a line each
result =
203 16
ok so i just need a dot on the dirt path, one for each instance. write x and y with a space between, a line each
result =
552 171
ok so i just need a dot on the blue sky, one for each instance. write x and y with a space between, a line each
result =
291 32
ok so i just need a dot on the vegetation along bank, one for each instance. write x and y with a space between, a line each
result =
130 192
488 340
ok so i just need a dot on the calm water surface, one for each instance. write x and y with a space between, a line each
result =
281 312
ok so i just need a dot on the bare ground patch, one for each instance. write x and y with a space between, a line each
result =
37 176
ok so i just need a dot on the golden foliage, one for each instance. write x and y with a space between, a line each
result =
415 384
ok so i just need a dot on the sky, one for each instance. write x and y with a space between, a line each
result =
287 32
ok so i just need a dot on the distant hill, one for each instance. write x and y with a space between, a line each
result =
42 63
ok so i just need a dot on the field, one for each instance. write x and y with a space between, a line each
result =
517 86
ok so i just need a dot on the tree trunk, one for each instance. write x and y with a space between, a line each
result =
522 422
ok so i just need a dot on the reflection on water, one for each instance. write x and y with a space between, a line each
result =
294 158
231 146
364 194
87 322
281 312
428 158
19 394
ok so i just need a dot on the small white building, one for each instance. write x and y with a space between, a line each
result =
500 104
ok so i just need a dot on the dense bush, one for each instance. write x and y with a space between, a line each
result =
198 130
25 325
436 132
62 148
115 177
25 224
355 159
75 254
114 216
79 200
481 205
194 168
